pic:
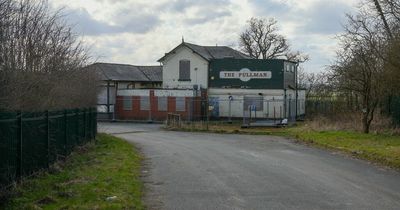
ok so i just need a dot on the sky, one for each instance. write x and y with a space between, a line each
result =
139 32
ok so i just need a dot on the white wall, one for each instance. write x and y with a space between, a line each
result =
134 92
223 91
301 107
171 70
272 99
102 97
273 106
157 93
174 93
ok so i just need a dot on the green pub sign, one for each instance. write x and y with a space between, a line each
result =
250 73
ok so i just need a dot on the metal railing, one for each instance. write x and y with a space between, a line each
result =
31 141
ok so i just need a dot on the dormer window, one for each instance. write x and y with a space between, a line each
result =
184 70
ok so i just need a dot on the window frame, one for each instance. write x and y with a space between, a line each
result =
142 108
181 69
181 99
164 107
127 103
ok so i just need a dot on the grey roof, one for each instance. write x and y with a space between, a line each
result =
210 52
125 72
154 73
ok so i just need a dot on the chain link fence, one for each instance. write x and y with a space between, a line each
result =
191 109
334 106
30 141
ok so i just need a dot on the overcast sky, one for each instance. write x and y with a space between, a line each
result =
140 31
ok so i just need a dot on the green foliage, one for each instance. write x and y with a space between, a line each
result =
93 173
379 148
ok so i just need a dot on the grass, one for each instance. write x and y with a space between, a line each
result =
235 128
383 149
104 175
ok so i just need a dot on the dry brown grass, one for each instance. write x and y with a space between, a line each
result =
351 122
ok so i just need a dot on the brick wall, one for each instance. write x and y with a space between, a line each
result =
193 108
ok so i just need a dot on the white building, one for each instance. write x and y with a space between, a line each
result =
201 81
236 84
187 65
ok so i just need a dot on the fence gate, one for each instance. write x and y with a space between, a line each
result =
214 105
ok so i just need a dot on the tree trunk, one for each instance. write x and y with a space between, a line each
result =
365 122
382 15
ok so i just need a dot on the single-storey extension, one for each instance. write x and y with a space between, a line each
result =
116 77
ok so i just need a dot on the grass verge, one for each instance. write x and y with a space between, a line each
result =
383 149
104 175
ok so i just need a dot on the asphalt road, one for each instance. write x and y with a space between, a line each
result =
216 171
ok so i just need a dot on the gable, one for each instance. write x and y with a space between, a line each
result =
207 52
183 52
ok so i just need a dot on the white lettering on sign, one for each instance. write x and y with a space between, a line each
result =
245 74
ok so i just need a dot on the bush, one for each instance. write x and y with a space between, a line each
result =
41 60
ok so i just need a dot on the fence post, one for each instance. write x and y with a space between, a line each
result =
65 132
77 127
48 138
90 124
84 125
19 151
208 114
290 110
244 117
230 110
95 123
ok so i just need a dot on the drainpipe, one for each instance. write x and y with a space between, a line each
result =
297 87
284 104
115 98
108 99
207 92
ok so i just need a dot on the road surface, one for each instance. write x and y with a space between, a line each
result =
220 171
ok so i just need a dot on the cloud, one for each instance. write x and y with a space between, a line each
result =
206 16
326 17
86 24
141 31
183 5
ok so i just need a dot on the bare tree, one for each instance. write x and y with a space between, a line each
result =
297 57
41 60
359 67
383 17
317 85
391 12
261 40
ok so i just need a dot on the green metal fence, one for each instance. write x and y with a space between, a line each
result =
395 110
30 141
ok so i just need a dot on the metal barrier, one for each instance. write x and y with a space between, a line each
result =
30 141
174 120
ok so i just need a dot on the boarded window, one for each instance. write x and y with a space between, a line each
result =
184 70
163 103
180 104
144 103
253 100
127 103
